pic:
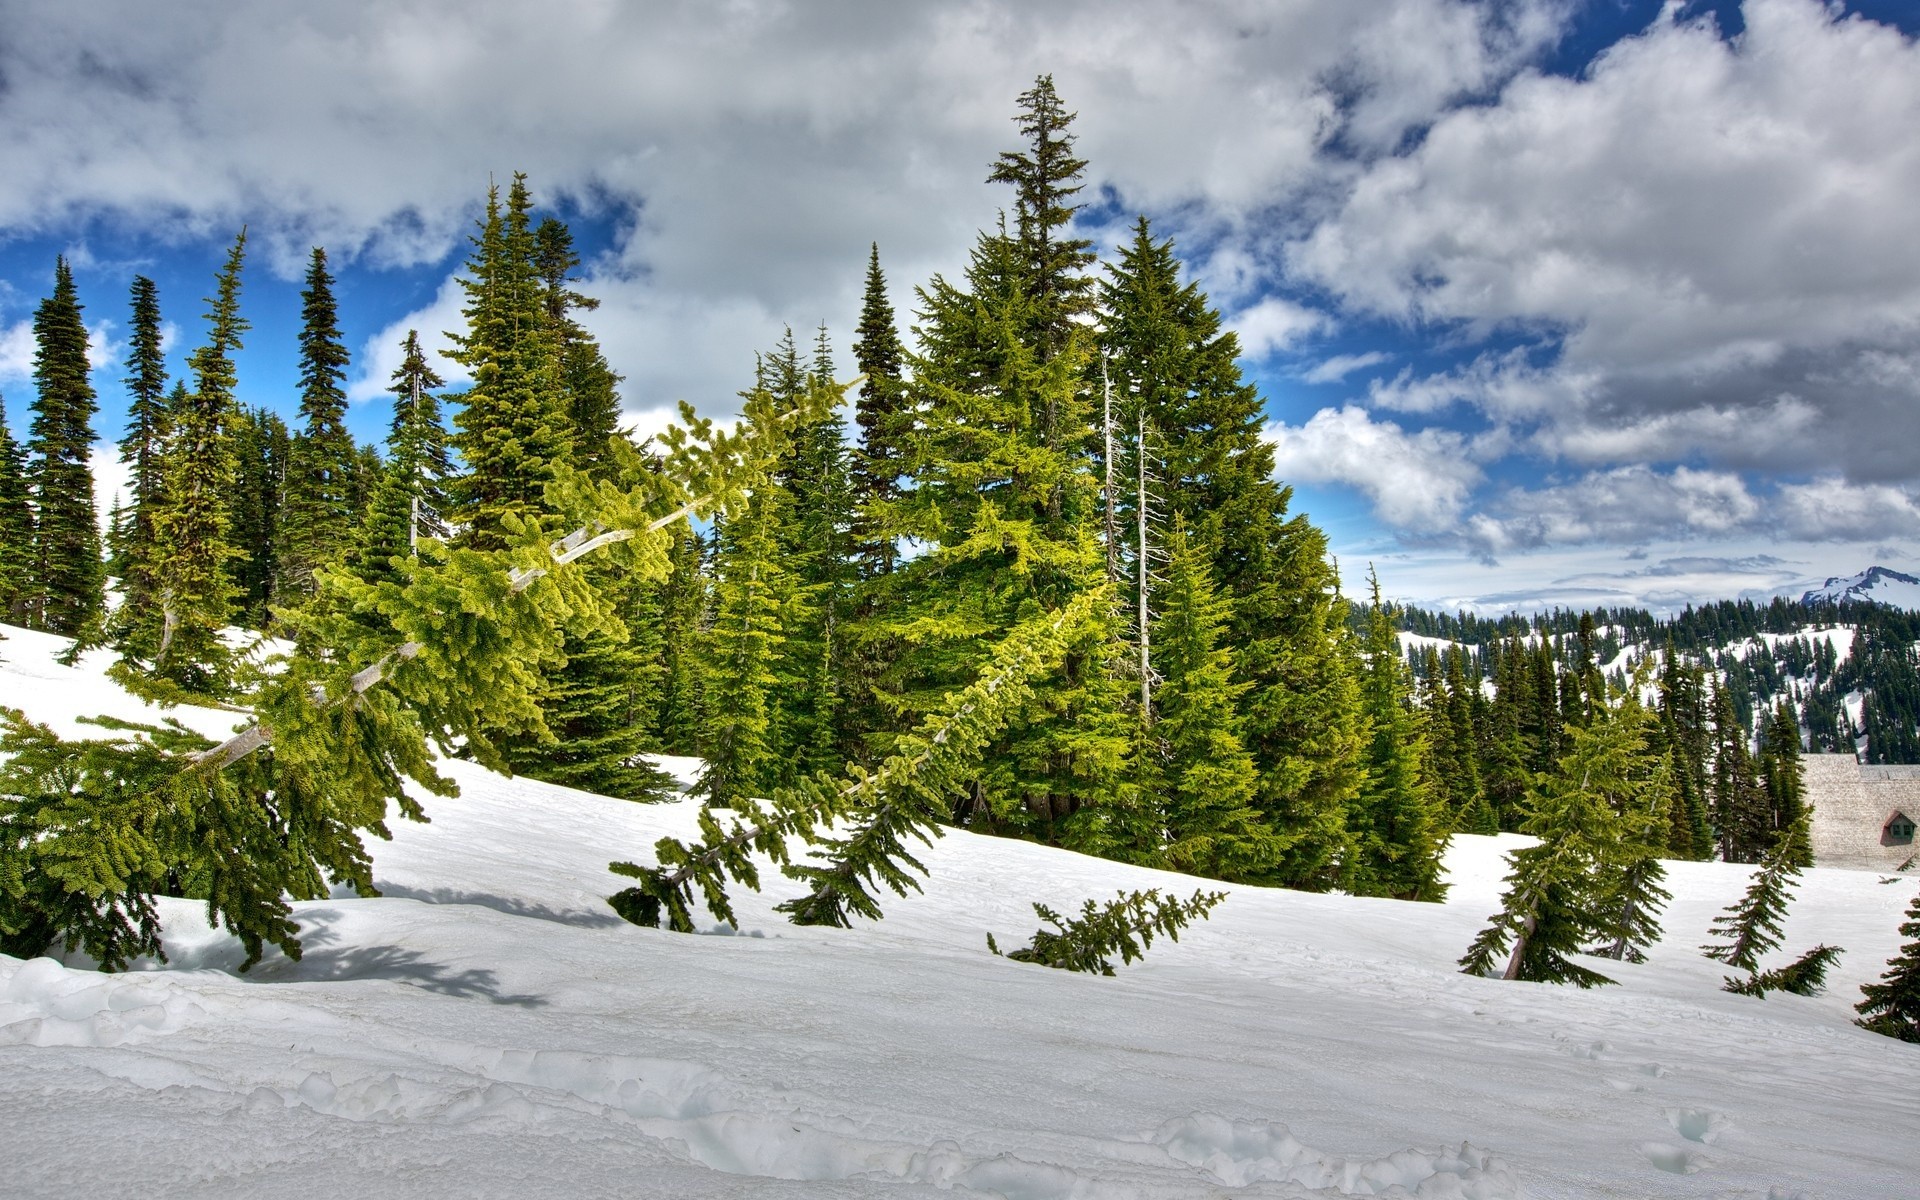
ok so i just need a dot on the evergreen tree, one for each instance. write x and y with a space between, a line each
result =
1510 749
1197 772
68 580
1461 751
1751 927
16 528
1782 776
1740 806
1395 840
262 449
590 386
1684 729
742 644
884 415
316 526
1172 368
411 495
1050 265
1892 1006
192 528
683 611
144 446
511 428
1566 891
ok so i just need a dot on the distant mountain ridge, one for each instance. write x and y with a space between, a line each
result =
1875 585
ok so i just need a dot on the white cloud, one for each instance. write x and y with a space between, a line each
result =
1504 386
1275 324
1337 368
1417 481
16 351
1834 510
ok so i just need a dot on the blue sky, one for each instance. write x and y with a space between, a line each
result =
1551 301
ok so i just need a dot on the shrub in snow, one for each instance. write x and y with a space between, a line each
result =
1124 926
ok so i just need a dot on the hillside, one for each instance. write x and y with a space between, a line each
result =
488 1028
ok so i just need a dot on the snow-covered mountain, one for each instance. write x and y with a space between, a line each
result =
489 1028
1879 585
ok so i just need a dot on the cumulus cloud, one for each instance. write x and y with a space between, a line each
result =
1418 481
1834 510
1275 324
748 152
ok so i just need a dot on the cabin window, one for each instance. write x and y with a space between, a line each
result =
1899 831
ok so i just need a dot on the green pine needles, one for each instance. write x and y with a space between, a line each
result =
1124 926
1751 927
907 797
1892 1006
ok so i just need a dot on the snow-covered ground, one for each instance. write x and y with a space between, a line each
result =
489 1028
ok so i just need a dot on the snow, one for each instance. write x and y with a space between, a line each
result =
489 1028
1878 584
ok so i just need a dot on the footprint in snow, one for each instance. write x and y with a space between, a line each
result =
1701 1125
1674 1159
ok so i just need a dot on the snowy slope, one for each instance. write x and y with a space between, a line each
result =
488 1028
1877 584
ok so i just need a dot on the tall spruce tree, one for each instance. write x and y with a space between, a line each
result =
1198 775
1783 776
16 528
742 645
683 615
1396 839
512 425
1740 806
144 445
66 591
1051 265
316 526
262 450
192 528
589 385
883 414
411 495
1170 361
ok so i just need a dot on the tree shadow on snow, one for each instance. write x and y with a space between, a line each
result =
509 905
411 967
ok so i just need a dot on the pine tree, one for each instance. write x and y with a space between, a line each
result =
411 496
511 428
1395 843
144 446
590 386
192 528
1198 774
1782 776
16 528
1565 892
1892 1006
1751 927
1740 813
683 611
1171 366
68 577
316 527
262 449
745 637
884 415
1050 265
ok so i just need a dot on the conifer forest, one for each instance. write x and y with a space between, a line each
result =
1022 567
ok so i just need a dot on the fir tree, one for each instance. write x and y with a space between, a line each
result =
68 577
262 449
1566 891
411 496
316 526
1751 927
683 610
745 637
1740 814
16 528
511 428
1892 1006
883 414
1197 771
192 528
1045 178
143 448
1395 843
1782 776
1171 366
590 385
